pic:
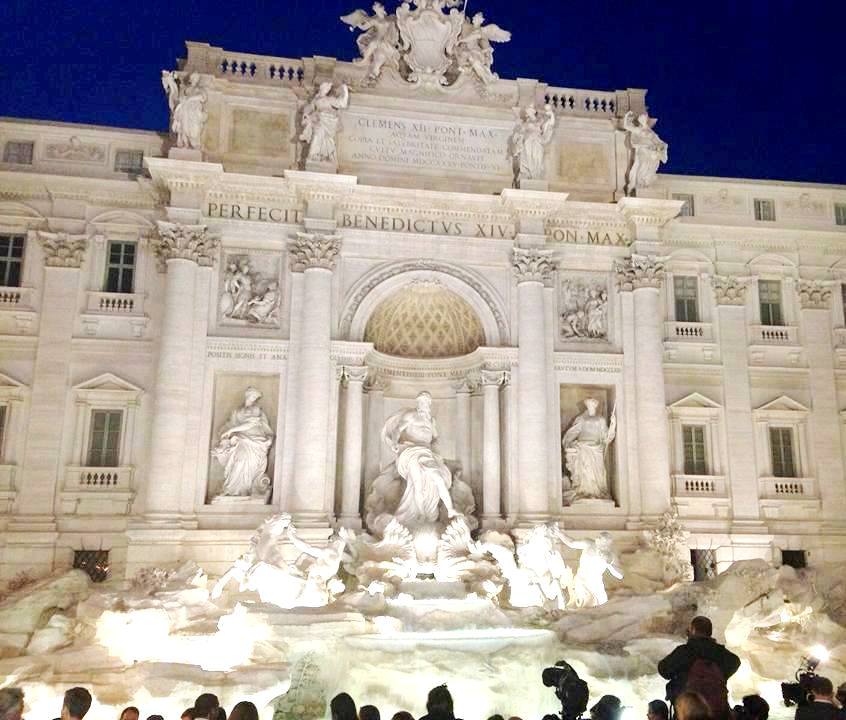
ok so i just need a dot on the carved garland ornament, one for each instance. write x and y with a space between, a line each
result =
729 289
312 250
639 271
63 250
185 242
532 265
392 270
813 295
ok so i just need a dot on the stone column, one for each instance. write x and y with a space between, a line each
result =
533 267
180 249
463 389
491 451
642 275
815 301
354 378
741 474
315 256
42 469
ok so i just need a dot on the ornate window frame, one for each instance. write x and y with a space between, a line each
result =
13 397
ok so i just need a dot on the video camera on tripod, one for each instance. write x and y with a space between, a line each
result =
798 692
570 689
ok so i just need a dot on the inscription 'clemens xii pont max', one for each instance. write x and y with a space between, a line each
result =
424 144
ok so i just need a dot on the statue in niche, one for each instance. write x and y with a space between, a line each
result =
187 102
585 311
474 52
242 449
418 487
528 142
247 295
648 152
378 43
585 446
597 556
320 122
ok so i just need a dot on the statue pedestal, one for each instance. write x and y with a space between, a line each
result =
542 185
240 500
322 166
592 505
190 154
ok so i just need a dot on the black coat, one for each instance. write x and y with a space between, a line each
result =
819 711
676 665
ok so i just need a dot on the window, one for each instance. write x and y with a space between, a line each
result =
794 558
781 452
693 438
704 564
18 153
104 447
840 213
687 208
4 413
93 562
120 267
769 297
11 260
765 210
129 161
686 290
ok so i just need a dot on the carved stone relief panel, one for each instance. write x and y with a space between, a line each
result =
250 291
583 307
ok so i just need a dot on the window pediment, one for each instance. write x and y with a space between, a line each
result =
781 405
108 388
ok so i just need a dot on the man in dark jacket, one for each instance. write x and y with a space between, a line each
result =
701 665
822 706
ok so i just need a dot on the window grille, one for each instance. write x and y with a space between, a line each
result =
840 213
93 562
693 437
104 446
765 210
4 413
11 260
18 153
686 292
769 298
129 161
704 564
120 269
781 451
794 558
687 209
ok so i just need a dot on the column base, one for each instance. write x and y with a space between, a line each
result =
190 154
528 520
306 519
492 522
349 521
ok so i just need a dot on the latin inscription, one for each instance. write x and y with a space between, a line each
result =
429 226
425 144
258 213
578 236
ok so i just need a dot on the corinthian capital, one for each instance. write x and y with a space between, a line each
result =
186 242
63 250
639 271
729 289
313 250
532 265
813 294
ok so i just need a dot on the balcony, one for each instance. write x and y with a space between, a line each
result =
701 495
97 490
786 335
17 313
688 332
118 304
788 498
16 298
7 488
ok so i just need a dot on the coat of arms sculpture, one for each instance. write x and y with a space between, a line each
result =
431 43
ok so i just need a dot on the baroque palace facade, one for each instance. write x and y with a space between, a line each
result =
337 237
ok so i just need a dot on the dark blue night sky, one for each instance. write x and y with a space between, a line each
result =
743 89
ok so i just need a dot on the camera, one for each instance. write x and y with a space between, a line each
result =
799 692
570 689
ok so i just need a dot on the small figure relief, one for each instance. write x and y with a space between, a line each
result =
248 296
474 52
528 141
379 41
648 152
320 122
585 310
242 450
597 557
75 149
585 445
311 581
187 100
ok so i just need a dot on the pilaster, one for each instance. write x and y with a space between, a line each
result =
492 381
353 378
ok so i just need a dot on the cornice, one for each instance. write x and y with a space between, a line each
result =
533 203
647 211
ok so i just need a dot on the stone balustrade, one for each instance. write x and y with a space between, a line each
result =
257 69
786 488
15 298
96 479
699 486
773 335
688 332
123 304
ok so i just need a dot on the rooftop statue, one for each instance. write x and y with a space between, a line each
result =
187 100
528 142
648 151
430 42
320 122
